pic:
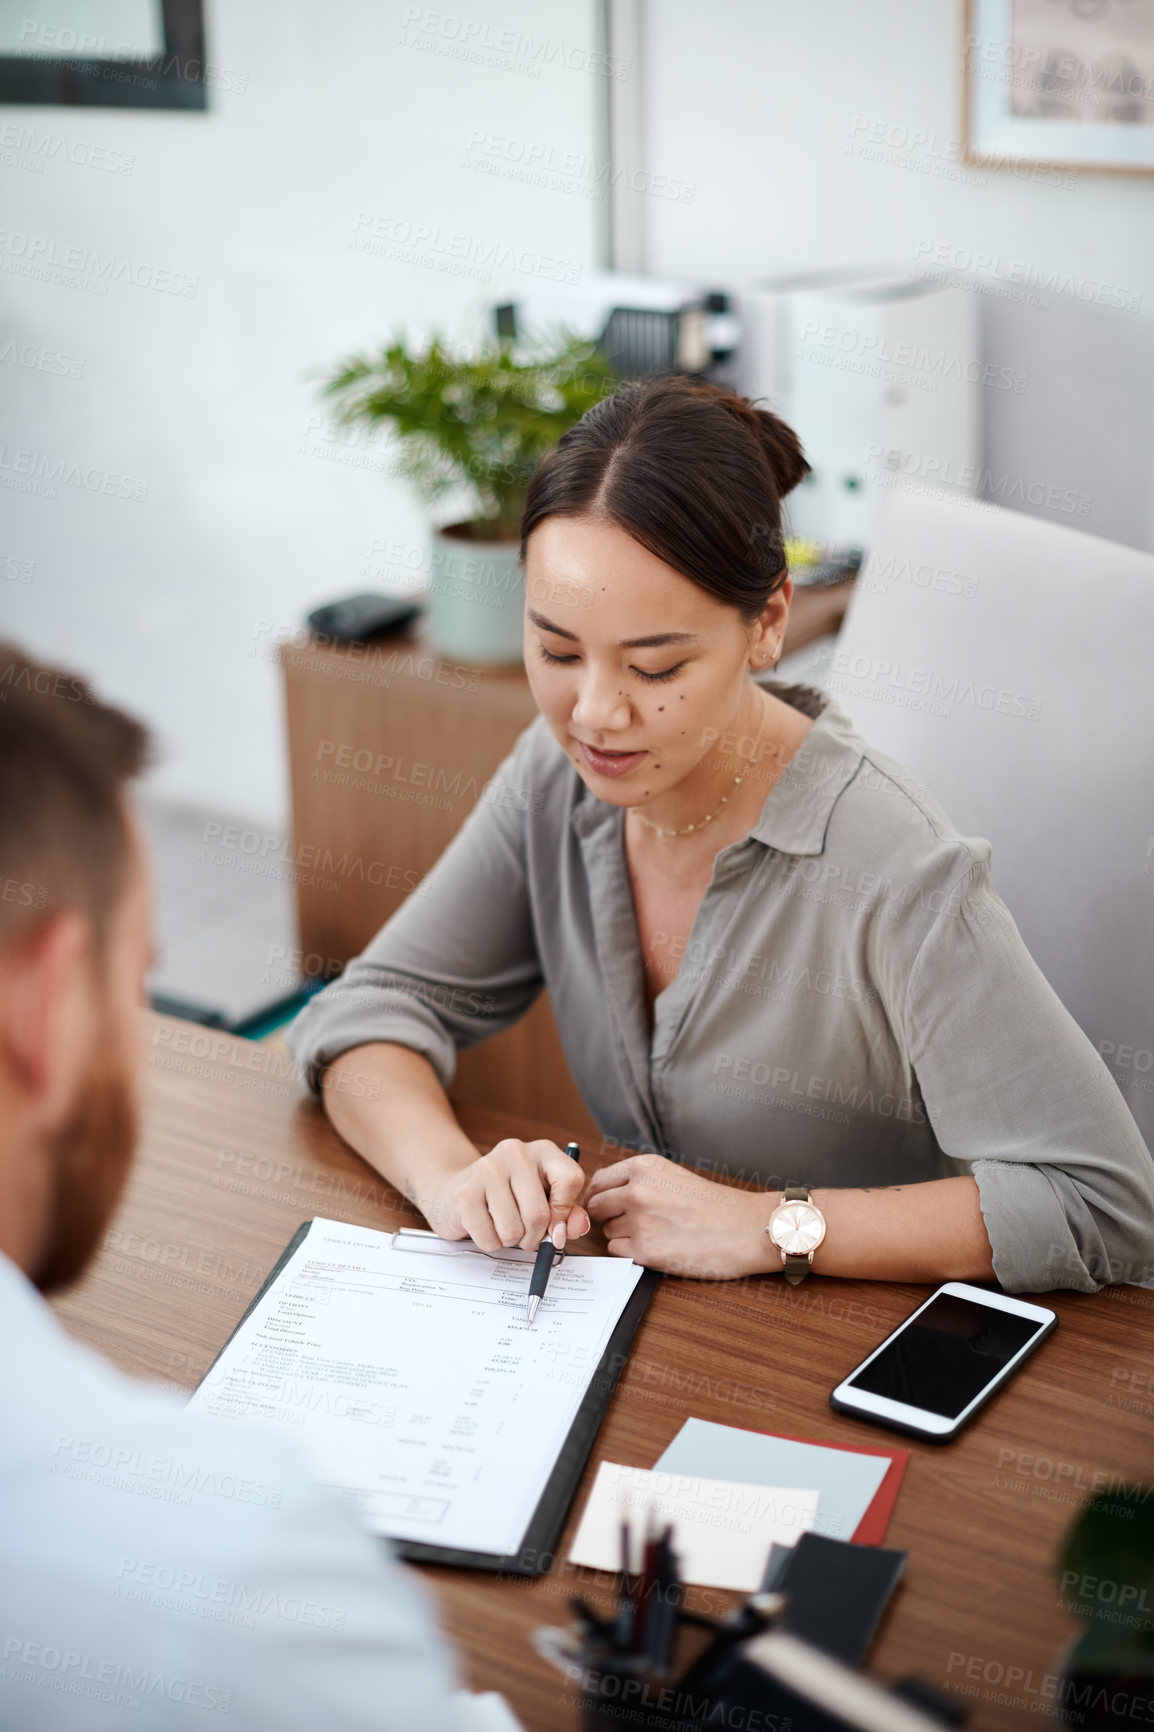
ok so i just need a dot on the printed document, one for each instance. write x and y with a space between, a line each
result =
404 1366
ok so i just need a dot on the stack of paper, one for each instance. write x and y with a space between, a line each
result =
730 1495
722 1532
847 1481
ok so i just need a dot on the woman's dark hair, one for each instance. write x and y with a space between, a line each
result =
694 473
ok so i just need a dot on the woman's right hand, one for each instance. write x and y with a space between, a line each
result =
517 1194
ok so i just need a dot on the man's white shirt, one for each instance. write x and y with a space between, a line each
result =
159 1570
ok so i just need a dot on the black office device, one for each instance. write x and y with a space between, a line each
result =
836 1592
358 618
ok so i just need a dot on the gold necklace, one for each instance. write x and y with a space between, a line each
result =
702 822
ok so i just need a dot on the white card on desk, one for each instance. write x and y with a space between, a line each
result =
722 1530
848 1483
408 1375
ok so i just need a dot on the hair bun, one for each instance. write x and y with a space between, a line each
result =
779 444
783 452
692 472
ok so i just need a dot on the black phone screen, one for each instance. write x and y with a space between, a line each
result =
945 1359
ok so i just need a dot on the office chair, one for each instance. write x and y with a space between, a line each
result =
1006 663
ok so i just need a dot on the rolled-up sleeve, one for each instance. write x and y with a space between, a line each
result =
1012 1086
458 960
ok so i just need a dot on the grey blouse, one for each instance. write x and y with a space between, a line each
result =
854 1005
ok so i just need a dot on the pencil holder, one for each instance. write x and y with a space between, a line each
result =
617 1696
619 1691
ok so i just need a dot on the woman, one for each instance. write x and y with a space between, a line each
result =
768 953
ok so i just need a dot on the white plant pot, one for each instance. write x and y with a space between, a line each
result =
476 597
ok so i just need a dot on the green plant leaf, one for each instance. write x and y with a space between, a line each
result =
480 421
1107 1580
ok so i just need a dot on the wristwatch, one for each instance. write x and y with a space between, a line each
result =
797 1228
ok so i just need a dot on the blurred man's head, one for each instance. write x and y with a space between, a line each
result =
75 946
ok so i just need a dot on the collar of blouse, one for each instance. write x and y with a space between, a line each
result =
797 810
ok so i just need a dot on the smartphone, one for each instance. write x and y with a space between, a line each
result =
944 1362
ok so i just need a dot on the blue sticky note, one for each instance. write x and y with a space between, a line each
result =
848 1483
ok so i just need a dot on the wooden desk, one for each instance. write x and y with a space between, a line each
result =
234 1157
389 750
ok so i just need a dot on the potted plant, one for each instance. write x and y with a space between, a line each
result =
478 422
1107 1582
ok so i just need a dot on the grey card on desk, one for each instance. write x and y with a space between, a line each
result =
847 1482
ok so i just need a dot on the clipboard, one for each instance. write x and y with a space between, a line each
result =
538 1550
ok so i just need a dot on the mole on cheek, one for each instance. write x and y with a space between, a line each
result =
660 708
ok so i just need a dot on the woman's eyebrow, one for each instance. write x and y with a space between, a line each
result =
653 642
661 637
547 625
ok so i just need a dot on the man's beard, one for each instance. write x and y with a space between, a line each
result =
90 1158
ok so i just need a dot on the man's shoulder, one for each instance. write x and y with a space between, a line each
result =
189 1562
121 1458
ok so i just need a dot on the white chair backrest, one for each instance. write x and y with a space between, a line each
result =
1007 664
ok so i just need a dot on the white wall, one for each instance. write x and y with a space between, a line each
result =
766 105
322 112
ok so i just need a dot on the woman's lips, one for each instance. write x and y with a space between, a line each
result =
611 763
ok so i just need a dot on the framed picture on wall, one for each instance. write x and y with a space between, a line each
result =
1068 83
104 54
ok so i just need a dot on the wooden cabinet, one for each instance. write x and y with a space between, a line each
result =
389 749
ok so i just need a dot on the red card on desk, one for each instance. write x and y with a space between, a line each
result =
871 1530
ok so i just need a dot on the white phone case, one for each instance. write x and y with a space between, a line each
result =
919 1421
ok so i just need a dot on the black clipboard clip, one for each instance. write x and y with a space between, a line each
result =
464 1247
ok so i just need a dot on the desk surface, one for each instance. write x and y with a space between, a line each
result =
234 1156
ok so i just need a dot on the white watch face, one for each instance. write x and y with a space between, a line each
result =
797 1228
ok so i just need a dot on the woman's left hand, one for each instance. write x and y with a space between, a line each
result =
669 1218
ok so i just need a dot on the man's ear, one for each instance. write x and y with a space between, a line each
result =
46 1007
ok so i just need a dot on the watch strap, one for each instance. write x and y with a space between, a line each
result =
796 1267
